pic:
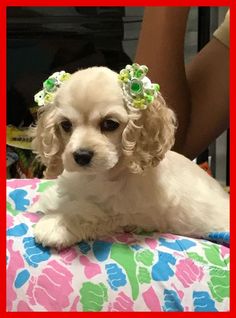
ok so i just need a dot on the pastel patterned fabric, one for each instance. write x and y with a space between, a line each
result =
127 272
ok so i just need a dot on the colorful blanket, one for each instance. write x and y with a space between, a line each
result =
127 272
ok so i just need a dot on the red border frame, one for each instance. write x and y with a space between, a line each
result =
6 3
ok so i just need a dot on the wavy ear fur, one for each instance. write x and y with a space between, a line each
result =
47 141
148 135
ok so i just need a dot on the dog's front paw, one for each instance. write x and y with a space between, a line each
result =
35 207
50 231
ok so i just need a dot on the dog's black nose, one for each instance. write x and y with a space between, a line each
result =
83 156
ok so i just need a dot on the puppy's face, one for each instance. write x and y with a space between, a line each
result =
88 127
91 117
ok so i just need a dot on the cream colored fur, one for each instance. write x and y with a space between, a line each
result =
134 180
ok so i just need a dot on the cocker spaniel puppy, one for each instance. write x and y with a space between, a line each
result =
107 139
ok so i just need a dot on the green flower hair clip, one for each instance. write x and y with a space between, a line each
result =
50 86
139 92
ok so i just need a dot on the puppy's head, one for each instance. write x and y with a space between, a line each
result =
89 128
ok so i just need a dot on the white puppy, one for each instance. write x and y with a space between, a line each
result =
115 167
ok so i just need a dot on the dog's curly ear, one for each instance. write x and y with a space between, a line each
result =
47 142
149 135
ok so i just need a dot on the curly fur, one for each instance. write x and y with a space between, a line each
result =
149 135
133 179
47 141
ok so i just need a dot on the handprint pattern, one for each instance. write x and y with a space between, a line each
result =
127 272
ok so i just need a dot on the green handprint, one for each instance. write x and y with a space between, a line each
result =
143 275
212 253
219 283
196 257
93 296
10 209
145 256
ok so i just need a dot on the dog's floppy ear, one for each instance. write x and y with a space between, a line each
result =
149 135
47 142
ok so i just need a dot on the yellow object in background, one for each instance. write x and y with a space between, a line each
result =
18 137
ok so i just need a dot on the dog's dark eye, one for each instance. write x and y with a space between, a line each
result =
66 125
109 125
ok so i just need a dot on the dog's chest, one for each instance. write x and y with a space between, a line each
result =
123 196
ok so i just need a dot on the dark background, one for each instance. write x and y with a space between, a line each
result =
41 40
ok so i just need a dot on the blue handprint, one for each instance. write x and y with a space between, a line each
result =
35 253
18 196
161 271
84 247
22 278
101 250
177 245
17 230
219 237
202 302
116 277
171 301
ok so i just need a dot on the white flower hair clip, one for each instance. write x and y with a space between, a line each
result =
50 86
139 92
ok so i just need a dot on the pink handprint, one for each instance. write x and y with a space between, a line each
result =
224 251
23 306
19 183
75 304
187 272
15 263
151 300
10 221
33 217
90 269
52 288
68 255
151 242
121 303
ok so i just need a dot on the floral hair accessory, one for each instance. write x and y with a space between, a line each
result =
50 86
139 92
